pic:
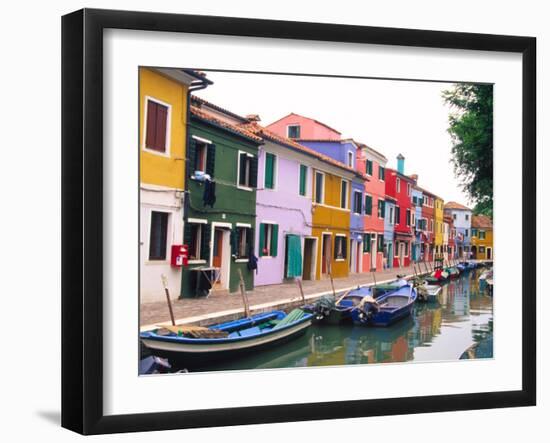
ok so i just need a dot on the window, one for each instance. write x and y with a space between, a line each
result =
482 249
243 241
340 247
303 179
350 159
408 217
481 235
201 151
431 225
391 217
319 187
381 208
269 233
397 215
366 242
368 204
293 131
270 168
467 216
415 200
156 129
413 219
196 240
474 232
344 194
158 235
398 184
357 202
380 241
465 233
381 173
369 167
406 248
408 189
454 216
247 170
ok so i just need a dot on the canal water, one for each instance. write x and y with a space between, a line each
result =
437 331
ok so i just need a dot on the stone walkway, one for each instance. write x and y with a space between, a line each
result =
221 306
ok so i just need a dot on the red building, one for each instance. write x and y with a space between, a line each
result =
399 186
428 225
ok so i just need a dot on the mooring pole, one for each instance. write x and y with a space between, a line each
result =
167 292
299 281
243 294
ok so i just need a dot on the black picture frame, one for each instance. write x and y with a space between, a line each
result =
82 215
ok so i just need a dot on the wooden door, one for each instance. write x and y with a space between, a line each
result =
308 259
326 254
218 248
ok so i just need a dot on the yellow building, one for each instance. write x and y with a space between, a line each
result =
482 237
163 105
331 221
439 228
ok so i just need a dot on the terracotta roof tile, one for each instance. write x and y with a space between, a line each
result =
482 221
238 129
455 205
201 101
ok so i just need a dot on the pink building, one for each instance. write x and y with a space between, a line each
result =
298 127
373 164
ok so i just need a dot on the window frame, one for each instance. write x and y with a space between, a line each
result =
315 190
348 185
337 243
168 226
294 125
250 157
167 142
355 193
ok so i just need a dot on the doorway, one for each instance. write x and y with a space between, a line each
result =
373 252
389 257
326 254
310 258
401 254
352 256
489 254
221 255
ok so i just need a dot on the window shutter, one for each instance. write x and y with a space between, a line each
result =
269 167
187 235
162 116
368 239
191 156
274 238
368 205
233 238
380 243
242 169
383 205
344 246
254 172
249 241
210 159
205 242
336 247
261 245
150 126
303 176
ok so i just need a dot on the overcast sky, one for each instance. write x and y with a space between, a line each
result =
391 116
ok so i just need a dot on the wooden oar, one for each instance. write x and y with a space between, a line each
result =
167 292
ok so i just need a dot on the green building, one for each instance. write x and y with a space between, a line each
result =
220 211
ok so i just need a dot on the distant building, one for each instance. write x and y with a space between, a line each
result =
462 220
482 237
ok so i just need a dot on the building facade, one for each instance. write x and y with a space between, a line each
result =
417 198
222 166
462 220
439 227
482 238
428 226
163 99
389 223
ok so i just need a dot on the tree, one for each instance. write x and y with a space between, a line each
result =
471 130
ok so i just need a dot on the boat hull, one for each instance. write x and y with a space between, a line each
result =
195 352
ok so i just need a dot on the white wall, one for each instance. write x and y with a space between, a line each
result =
31 289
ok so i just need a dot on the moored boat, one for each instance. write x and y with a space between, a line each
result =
195 345
387 309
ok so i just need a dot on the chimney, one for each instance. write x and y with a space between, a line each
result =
253 117
414 177
401 164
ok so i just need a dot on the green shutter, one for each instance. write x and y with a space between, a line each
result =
269 171
191 154
368 205
303 178
233 239
210 159
242 168
383 206
345 246
380 243
261 242
274 238
293 256
368 240
205 241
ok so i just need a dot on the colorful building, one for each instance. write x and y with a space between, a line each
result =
462 220
296 127
388 209
449 238
399 186
438 226
427 226
417 198
220 219
163 100
373 164
482 238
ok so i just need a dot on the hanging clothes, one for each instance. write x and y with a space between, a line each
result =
294 256
209 196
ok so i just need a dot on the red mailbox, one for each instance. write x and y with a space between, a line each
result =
179 255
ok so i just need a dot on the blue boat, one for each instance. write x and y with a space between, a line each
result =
193 346
387 309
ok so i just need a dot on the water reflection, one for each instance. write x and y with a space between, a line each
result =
463 316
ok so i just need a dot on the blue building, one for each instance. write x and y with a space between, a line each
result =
417 199
462 220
